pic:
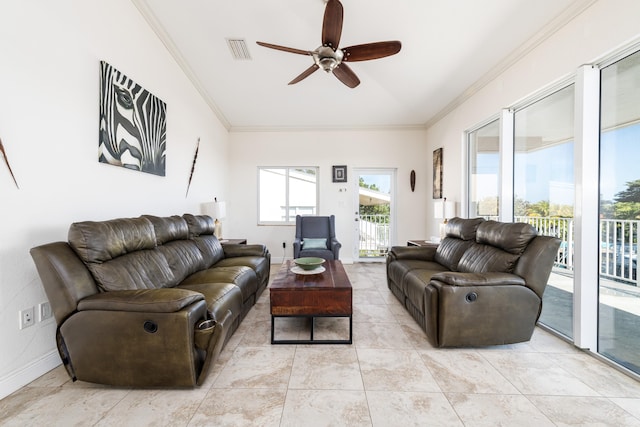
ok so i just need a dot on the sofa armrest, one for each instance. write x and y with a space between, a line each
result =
166 300
231 251
479 309
422 253
297 247
477 279
134 348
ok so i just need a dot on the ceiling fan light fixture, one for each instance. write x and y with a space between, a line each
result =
326 58
328 64
329 57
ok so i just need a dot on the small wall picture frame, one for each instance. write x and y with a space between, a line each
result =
340 174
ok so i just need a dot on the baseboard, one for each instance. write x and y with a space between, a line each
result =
23 376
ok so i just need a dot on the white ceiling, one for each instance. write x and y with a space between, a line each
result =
450 49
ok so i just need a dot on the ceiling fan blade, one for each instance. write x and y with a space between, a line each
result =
346 75
285 49
306 73
365 52
332 24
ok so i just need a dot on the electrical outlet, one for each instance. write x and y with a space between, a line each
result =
44 311
27 318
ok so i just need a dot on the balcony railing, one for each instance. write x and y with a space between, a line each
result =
618 245
374 236
618 242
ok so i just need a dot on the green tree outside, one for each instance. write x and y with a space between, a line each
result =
374 209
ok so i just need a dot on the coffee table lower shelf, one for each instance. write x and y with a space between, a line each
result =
311 339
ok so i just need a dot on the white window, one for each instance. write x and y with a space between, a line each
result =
284 192
484 171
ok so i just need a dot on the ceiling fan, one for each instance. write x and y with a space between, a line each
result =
332 59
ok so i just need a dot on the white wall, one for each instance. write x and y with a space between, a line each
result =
404 150
49 75
604 27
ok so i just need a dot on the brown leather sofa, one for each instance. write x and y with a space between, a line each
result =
147 301
482 285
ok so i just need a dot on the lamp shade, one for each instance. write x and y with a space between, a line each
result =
208 209
216 210
444 209
449 209
219 210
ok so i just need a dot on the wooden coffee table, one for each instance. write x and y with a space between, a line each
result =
327 294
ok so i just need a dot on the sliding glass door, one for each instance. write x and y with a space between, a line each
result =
544 192
484 171
619 293
566 161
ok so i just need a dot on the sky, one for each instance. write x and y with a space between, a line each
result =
383 182
550 171
620 158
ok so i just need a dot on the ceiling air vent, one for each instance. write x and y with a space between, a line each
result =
239 49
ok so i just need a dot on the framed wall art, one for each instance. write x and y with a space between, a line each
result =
339 174
133 124
437 173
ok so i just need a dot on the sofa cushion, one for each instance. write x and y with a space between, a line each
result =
484 258
316 253
106 240
146 301
201 232
145 269
397 270
243 277
260 264
450 250
210 248
220 297
120 254
414 285
464 229
199 224
512 237
168 229
183 258
314 243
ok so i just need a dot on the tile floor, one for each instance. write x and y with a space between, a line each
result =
390 376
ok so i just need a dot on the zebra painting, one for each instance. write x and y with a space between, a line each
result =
133 128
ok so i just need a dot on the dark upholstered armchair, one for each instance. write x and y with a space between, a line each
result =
316 237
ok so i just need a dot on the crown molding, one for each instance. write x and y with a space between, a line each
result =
571 12
345 128
164 37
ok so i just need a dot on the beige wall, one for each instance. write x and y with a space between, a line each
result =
49 75
403 150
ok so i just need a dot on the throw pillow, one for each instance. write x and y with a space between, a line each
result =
314 244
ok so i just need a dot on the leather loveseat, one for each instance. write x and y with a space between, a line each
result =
147 301
482 285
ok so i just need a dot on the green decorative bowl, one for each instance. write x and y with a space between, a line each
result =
309 263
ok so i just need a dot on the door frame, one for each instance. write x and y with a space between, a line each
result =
392 173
